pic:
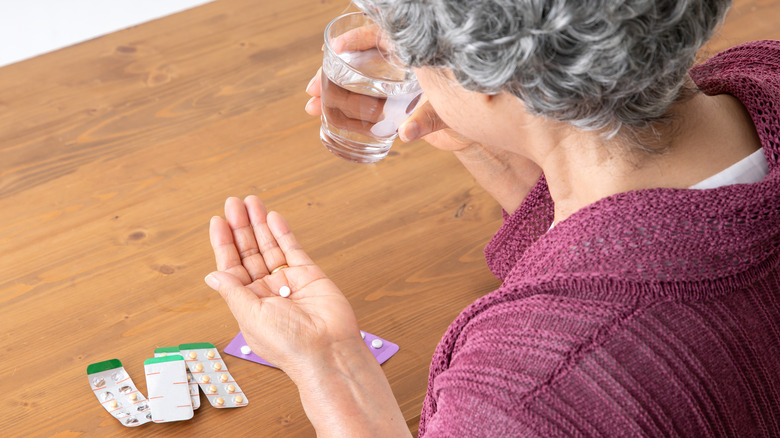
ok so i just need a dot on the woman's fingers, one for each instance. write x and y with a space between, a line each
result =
361 38
314 88
252 243
240 299
314 106
339 120
289 245
354 105
346 110
269 250
244 238
423 121
225 252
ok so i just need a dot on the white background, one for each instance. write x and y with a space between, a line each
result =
32 27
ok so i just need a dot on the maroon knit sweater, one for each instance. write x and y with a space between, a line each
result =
648 313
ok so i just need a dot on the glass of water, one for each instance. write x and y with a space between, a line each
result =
366 95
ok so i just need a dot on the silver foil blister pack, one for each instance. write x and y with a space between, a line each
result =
210 372
117 393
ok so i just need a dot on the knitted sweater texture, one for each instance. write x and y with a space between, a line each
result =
648 313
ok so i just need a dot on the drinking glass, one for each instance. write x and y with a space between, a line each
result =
366 94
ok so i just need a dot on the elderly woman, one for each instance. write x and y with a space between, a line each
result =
640 248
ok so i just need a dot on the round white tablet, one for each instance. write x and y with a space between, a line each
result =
284 291
245 349
376 343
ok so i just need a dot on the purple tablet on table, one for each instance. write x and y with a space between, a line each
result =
382 349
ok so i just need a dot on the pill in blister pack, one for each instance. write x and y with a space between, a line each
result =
209 371
382 349
168 389
118 394
192 384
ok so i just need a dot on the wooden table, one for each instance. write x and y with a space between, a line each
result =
115 153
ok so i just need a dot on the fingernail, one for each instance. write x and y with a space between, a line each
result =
212 282
410 132
311 82
309 106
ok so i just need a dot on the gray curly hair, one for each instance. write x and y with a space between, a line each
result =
600 65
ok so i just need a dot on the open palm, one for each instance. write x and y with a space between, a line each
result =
257 255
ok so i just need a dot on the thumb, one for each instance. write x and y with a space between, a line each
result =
423 121
237 296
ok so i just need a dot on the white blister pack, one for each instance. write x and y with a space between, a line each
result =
168 389
193 385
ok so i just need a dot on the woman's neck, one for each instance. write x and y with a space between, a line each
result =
709 134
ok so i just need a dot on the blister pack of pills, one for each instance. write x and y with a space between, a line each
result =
168 389
118 394
191 383
381 349
210 372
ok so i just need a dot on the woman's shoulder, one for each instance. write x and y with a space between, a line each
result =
751 73
520 230
753 59
762 51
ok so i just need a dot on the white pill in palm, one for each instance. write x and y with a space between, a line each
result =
284 291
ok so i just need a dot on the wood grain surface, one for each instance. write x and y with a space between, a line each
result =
114 154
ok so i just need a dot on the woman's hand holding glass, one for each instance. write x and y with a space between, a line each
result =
357 114
507 176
